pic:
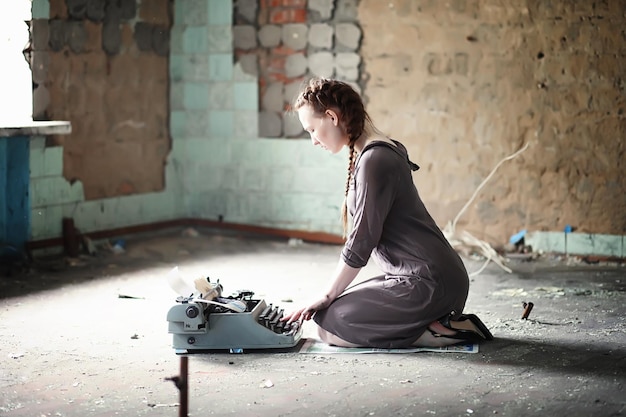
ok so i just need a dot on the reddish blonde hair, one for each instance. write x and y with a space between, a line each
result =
323 94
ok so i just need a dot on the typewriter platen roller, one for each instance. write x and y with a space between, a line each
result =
199 325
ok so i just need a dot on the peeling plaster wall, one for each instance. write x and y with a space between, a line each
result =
103 65
283 43
465 83
462 83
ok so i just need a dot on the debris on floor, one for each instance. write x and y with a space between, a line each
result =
528 307
190 232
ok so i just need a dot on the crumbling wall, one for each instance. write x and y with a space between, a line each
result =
103 65
465 83
284 42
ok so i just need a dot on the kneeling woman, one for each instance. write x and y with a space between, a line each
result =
420 299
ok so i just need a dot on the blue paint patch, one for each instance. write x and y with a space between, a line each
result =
14 194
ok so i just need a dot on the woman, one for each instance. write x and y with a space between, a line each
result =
419 300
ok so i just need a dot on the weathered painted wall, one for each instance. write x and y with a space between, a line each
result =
462 83
465 83
74 177
229 172
103 66
218 167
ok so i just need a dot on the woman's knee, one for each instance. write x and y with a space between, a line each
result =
323 334
332 339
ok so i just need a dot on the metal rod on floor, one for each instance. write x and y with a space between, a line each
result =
528 306
181 382
184 392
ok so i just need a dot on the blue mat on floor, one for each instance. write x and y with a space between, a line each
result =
319 347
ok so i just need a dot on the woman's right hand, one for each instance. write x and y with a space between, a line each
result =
343 276
306 313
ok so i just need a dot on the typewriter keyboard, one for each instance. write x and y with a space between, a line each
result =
270 318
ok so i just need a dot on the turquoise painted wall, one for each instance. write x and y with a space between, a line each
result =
229 170
218 166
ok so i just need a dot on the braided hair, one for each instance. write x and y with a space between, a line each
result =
323 94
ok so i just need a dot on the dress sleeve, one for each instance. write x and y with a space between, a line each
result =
375 190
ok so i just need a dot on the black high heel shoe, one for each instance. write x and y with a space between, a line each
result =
468 327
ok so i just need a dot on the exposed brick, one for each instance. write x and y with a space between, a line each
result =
143 36
244 37
120 10
278 16
111 37
76 9
295 35
299 16
323 7
76 36
39 66
348 35
287 3
93 41
295 65
248 63
283 50
58 9
127 37
112 12
269 36
95 10
247 10
41 101
321 64
56 39
348 11
40 34
155 11
161 40
276 63
347 65
279 77
128 8
321 35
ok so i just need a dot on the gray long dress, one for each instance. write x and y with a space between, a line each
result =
425 278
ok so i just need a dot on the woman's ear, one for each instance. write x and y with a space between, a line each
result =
333 116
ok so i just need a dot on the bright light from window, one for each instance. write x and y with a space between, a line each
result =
16 92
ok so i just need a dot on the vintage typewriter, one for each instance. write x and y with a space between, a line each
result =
235 323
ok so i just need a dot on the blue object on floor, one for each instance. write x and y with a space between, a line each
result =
517 237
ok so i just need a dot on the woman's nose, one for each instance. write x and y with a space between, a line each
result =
314 141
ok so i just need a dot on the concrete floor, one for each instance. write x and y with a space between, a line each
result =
72 347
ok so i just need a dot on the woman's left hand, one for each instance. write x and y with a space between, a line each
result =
306 313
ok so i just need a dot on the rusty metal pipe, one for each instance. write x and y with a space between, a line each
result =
528 306
181 382
184 387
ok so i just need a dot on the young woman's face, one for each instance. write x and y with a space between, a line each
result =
325 131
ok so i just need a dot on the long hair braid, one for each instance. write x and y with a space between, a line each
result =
344 208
